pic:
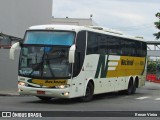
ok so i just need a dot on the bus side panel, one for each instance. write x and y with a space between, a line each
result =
95 70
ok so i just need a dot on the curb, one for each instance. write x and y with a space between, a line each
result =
8 94
154 81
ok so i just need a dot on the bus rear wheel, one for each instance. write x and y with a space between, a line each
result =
44 98
89 93
134 87
130 88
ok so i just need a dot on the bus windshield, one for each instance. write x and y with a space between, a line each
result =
44 62
44 54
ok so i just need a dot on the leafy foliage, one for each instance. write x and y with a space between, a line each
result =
157 25
151 68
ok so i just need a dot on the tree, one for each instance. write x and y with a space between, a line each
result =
157 24
151 67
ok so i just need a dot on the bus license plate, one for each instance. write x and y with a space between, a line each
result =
40 92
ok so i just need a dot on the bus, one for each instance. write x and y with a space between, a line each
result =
69 61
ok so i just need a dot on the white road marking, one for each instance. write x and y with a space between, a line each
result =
141 98
157 99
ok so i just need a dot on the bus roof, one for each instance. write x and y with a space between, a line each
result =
77 28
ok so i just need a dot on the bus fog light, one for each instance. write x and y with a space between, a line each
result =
19 90
66 93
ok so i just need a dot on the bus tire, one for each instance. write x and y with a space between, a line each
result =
44 98
130 88
89 93
134 87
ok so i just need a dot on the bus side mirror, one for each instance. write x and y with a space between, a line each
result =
14 47
72 54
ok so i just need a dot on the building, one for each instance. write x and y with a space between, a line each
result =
74 21
6 40
18 15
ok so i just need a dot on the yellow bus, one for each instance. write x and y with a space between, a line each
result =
68 61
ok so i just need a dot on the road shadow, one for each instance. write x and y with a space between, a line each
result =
96 98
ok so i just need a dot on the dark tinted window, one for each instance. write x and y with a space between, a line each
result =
123 46
81 41
102 44
139 49
130 48
144 49
80 52
92 43
112 45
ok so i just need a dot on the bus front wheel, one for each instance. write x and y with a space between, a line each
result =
89 93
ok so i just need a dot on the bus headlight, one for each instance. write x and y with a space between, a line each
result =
62 86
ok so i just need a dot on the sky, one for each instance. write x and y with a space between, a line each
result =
133 17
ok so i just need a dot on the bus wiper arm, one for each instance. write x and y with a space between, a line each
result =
50 69
38 65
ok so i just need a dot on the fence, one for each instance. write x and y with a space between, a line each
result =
152 78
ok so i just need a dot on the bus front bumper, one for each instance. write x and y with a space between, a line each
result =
47 92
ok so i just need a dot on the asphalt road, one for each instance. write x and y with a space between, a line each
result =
146 98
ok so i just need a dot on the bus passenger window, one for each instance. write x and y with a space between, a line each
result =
92 44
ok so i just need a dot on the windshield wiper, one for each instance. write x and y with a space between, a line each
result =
41 65
38 65
50 69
